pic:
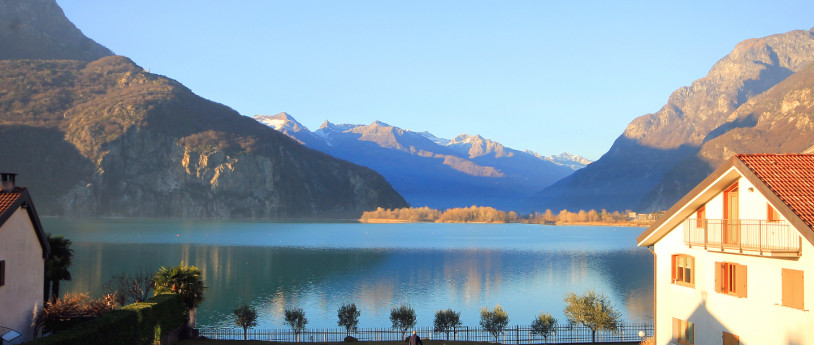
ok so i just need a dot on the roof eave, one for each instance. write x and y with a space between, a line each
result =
707 189
27 203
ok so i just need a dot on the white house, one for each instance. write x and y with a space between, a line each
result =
23 249
734 259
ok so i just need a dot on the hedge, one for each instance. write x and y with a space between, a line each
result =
135 324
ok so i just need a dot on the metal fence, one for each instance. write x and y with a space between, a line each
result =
627 332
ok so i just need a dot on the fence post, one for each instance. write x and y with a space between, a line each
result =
517 338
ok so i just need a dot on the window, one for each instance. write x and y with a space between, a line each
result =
700 216
793 288
771 214
683 331
683 270
730 278
731 339
2 272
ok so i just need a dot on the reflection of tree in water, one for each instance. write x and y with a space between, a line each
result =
630 274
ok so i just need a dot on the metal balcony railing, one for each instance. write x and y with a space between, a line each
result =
761 237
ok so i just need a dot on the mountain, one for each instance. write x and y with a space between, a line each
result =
431 171
107 138
38 29
752 100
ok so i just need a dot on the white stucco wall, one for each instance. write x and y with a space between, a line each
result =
21 250
757 319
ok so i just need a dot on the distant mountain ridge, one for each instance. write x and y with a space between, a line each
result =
431 171
752 100
92 134
38 29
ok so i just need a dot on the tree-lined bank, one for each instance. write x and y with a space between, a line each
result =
476 214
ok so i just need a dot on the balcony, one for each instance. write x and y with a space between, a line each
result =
753 237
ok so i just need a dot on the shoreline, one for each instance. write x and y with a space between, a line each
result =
403 221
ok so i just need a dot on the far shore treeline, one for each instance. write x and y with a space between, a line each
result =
479 214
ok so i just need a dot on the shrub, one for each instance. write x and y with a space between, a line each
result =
593 311
495 321
348 316
402 317
135 324
446 320
295 318
245 317
543 325
71 309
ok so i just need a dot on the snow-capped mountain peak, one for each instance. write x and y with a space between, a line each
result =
433 138
281 122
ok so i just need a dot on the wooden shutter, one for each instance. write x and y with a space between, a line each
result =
674 266
719 268
793 288
740 281
676 329
731 339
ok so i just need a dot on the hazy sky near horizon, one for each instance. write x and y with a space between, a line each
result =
549 76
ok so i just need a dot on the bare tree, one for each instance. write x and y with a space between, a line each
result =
132 287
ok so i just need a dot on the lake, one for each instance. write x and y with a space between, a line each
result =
527 269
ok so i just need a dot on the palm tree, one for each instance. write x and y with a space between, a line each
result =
56 266
184 280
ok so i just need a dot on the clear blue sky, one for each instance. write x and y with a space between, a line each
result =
541 75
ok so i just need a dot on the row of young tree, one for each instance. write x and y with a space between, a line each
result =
590 309
491 215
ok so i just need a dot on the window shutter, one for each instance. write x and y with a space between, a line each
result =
740 280
799 289
674 266
788 282
676 329
793 288
719 267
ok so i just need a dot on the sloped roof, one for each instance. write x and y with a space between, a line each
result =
7 200
790 177
19 197
786 180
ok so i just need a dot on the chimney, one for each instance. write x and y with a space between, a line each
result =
8 181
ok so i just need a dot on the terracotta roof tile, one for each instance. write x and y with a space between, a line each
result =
790 177
7 199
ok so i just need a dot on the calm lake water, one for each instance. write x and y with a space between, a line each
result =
527 269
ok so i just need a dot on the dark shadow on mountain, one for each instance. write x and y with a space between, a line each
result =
768 77
47 165
748 121
618 181
675 183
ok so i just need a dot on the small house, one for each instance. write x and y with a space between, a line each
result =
733 260
23 249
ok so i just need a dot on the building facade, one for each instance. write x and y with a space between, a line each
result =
734 260
23 249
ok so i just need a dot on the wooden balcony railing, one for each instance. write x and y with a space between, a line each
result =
759 237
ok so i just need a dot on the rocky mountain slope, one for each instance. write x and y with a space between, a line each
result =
106 138
38 29
737 108
427 170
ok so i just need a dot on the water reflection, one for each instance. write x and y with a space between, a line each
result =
318 267
319 280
